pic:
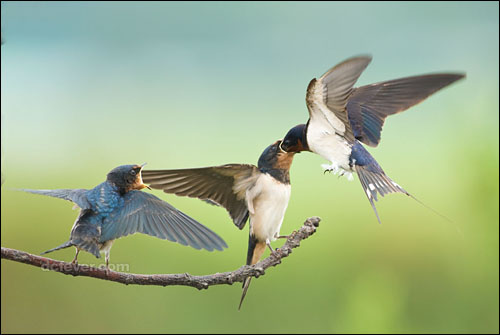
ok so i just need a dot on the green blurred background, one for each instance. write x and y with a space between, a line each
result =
90 86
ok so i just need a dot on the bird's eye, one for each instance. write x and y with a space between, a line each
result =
132 172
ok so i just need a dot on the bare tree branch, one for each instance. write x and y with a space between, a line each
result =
200 282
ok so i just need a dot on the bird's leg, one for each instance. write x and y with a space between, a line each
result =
75 260
286 236
273 252
106 247
347 174
107 260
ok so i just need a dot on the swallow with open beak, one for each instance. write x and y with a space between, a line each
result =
117 208
341 118
260 192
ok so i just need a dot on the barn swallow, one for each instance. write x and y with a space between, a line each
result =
342 117
260 192
117 208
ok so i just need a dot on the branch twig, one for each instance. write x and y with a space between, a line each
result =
185 279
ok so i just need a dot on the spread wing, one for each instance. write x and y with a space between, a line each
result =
78 196
224 185
327 97
145 213
369 105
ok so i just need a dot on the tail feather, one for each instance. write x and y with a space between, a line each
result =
377 183
246 284
255 251
88 245
374 180
431 209
62 246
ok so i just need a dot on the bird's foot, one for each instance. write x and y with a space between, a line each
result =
286 236
335 169
273 252
330 168
107 269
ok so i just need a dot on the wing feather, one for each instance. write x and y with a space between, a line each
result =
369 105
221 185
77 196
327 96
144 213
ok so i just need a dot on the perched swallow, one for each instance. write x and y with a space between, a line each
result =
342 117
260 192
117 208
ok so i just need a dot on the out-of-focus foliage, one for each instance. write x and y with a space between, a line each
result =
89 86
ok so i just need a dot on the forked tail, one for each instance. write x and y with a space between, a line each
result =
255 251
246 284
378 182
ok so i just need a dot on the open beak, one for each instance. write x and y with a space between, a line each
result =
281 149
141 183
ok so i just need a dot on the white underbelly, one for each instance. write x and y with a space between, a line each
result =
269 206
331 147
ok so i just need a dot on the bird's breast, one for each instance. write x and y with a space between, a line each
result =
324 141
270 200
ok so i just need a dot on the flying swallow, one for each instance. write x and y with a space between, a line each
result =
117 208
342 117
260 192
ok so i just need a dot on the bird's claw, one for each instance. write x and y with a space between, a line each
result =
106 270
292 234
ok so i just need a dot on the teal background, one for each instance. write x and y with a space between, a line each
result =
90 86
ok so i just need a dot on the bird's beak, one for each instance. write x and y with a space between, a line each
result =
281 149
141 183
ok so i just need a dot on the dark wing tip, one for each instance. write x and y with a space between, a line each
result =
197 235
446 78
457 75
360 61
361 57
241 223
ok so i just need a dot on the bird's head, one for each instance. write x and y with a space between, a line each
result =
295 140
127 177
274 157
